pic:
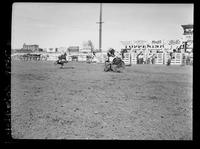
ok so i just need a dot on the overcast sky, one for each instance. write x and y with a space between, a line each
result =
69 24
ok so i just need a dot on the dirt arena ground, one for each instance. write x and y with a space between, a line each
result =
81 101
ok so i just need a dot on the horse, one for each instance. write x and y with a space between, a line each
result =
63 56
61 60
116 65
89 58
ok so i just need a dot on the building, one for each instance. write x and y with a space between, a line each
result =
188 30
32 48
87 47
50 50
188 37
45 50
62 49
73 50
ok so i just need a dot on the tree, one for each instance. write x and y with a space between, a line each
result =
90 44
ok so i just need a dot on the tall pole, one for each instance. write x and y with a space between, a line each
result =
100 28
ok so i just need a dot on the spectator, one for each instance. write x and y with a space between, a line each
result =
183 60
153 59
187 59
169 61
148 60
191 58
142 59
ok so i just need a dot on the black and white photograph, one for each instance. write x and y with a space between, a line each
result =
102 71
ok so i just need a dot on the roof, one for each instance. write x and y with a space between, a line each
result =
23 50
30 44
187 26
73 49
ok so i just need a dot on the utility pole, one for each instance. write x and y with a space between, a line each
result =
100 28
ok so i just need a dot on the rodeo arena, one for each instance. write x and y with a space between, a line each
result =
142 91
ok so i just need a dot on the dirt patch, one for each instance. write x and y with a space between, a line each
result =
82 101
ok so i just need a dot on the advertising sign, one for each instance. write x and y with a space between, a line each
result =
174 42
156 42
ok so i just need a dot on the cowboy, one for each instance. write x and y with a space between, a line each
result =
110 53
62 57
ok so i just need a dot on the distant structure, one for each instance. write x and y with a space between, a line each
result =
62 49
87 47
188 36
33 48
188 29
73 50
51 50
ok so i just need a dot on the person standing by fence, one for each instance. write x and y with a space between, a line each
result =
191 58
169 59
183 59
187 59
153 59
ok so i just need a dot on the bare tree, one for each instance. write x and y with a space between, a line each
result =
90 44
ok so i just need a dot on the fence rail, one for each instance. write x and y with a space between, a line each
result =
129 58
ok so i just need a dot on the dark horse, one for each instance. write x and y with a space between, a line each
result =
61 60
117 65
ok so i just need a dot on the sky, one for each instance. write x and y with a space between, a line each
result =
53 25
